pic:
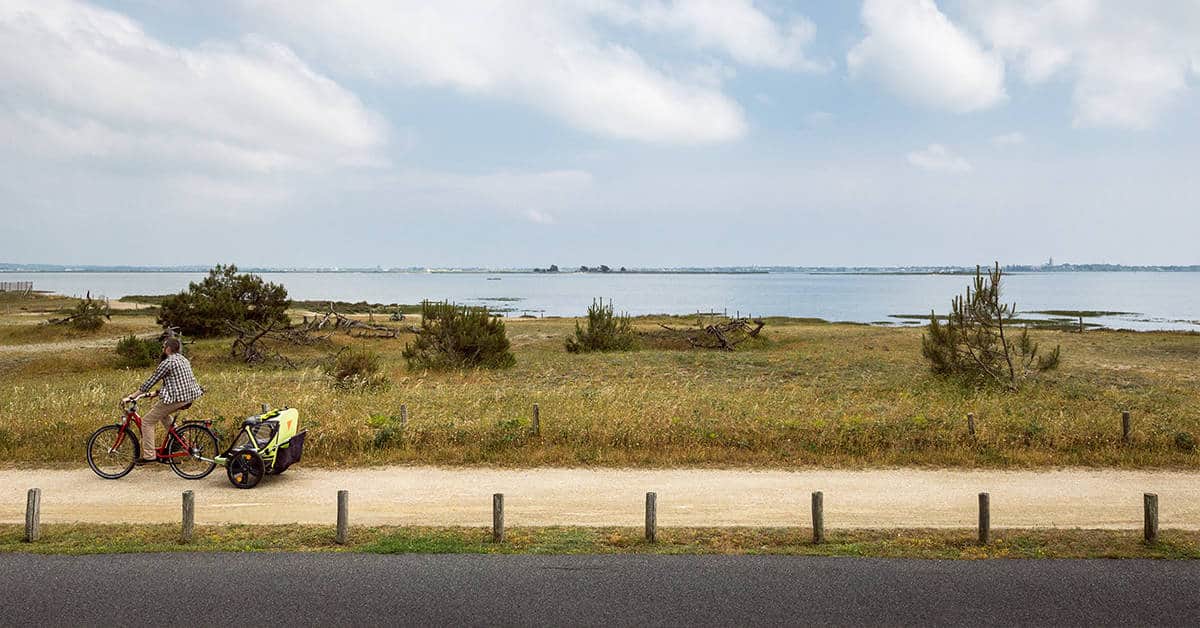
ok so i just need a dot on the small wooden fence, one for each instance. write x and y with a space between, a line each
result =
33 509
16 286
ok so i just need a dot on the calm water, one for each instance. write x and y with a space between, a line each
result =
1156 300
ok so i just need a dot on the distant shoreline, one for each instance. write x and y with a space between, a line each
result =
763 270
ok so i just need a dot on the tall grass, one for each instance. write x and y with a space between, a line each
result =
817 394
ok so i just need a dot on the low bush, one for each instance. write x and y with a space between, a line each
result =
357 369
605 331
138 352
457 337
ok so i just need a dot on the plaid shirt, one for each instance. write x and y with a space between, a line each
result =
179 385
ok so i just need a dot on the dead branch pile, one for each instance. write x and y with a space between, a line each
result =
332 321
724 334
249 342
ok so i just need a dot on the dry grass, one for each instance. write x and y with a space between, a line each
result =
810 394
942 544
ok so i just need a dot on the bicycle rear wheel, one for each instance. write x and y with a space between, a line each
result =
108 458
197 441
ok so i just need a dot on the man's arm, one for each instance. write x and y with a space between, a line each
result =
164 367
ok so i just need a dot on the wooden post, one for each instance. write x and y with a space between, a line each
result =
818 517
343 517
498 517
403 416
1125 425
266 408
189 517
652 517
33 515
971 423
985 519
1150 505
537 420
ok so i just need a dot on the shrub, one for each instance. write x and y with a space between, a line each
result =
1184 441
972 342
88 314
456 337
136 351
357 368
224 295
605 331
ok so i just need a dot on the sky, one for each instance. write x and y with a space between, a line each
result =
519 133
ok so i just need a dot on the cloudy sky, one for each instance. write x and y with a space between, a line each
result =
658 133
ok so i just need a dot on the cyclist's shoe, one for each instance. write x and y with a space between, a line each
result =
142 461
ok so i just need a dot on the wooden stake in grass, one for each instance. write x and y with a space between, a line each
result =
189 517
818 517
537 421
265 408
652 517
985 519
971 423
1125 425
403 416
343 517
498 518
33 515
1150 508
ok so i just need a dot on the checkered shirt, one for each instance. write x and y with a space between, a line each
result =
179 385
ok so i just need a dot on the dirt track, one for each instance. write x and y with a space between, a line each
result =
443 496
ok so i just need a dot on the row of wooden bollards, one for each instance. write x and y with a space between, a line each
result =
33 509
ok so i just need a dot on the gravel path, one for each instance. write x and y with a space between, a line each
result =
879 498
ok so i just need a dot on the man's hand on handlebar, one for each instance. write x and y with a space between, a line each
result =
138 395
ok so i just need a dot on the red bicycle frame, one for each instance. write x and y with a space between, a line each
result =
185 449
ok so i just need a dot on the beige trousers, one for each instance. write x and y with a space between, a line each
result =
158 414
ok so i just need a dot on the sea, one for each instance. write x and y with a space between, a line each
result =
1119 300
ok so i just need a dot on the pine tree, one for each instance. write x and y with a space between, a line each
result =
976 339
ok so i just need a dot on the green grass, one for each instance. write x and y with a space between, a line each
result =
809 393
915 543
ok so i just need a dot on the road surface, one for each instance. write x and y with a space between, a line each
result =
879 498
425 590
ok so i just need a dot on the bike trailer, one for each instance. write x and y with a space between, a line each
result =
267 443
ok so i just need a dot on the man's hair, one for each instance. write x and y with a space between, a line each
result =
172 344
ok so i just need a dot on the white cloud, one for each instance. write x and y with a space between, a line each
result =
734 27
917 52
1009 139
1128 62
550 55
938 158
83 82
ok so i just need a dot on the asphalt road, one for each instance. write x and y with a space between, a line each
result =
348 589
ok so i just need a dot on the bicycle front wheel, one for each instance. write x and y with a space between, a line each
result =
112 454
197 441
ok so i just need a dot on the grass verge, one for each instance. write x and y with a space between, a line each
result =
911 543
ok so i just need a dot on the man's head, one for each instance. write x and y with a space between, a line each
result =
171 346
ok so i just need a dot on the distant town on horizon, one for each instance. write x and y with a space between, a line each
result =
605 269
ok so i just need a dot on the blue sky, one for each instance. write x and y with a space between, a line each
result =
521 133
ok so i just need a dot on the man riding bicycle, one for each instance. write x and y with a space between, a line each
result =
178 391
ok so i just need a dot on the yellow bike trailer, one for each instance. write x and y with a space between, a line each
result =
267 443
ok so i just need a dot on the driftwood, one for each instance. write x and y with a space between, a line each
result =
248 345
333 321
722 335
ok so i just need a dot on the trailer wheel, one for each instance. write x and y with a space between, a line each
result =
245 468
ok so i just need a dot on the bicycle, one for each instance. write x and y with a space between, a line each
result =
113 450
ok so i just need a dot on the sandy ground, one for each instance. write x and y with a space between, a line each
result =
885 498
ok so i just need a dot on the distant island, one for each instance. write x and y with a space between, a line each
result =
605 269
